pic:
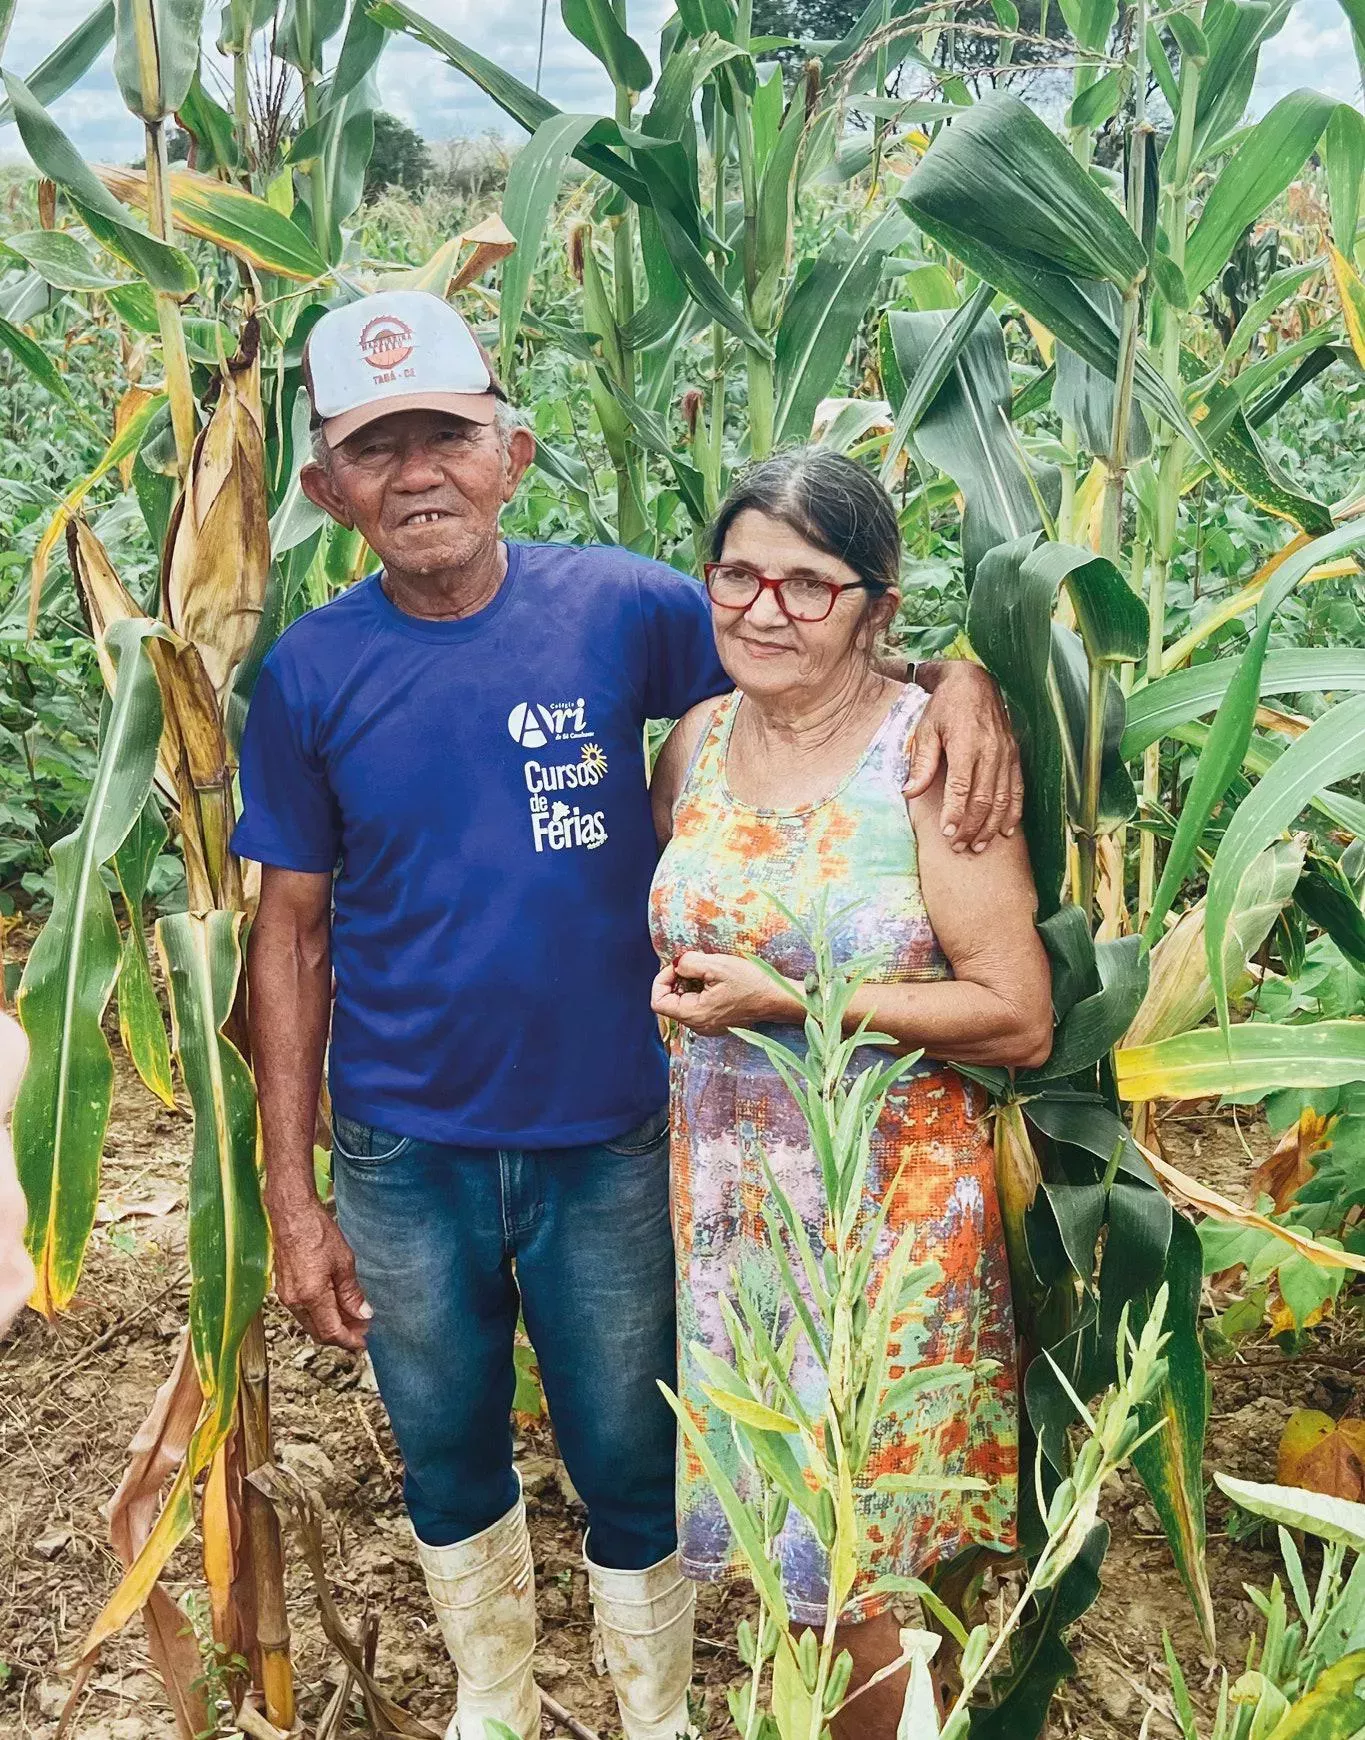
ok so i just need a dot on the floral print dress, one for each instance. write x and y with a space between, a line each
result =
714 890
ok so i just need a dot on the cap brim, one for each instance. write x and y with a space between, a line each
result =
476 407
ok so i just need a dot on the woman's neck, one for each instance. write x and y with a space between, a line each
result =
806 722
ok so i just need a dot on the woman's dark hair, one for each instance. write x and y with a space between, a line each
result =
832 501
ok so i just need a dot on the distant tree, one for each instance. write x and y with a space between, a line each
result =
829 20
399 159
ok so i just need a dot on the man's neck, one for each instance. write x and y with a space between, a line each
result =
445 593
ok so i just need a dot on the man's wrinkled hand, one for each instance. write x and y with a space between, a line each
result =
315 1276
966 727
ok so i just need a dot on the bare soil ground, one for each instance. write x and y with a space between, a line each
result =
72 1394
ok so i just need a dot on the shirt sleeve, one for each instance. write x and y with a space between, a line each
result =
684 667
289 813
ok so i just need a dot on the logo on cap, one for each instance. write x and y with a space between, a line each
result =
386 342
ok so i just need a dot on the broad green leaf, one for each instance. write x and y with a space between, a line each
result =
1343 153
1188 694
913 398
69 61
822 318
1273 153
1083 398
1180 993
532 184
211 127
1091 1028
1352 294
1009 622
1280 286
1001 176
60 258
1039 1658
1099 102
140 1026
1327 898
1332 1710
1235 35
952 373
229 1241
156 53
31 357
597 27
1171 1461
1331 749
1239 458
163 266
1231 730
234 219
1255 1057
62 1110
1339 1520
1190 39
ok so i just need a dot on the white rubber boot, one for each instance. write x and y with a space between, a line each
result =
644 1622
484 1593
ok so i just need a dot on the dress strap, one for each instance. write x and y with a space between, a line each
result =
710 744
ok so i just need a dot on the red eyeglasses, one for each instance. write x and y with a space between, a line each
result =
800 598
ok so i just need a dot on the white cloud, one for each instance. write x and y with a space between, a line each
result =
1314 49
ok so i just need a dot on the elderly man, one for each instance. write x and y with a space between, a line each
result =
442 778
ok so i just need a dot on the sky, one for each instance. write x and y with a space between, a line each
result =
1314 48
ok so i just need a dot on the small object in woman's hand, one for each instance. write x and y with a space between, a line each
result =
684 986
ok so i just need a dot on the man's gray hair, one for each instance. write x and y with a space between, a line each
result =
506 418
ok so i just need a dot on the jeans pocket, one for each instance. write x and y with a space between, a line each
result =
364 1144
644 1138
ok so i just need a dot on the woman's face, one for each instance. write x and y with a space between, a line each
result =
763 652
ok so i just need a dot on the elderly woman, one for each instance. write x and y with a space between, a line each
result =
790 785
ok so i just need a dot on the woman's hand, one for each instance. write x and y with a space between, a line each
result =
713 993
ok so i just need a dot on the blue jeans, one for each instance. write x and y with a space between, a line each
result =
449 1244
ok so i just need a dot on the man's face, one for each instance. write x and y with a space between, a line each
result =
422 487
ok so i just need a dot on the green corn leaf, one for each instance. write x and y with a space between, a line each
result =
1001 176
156 53
1099 102
1170 1462
1009 622
140 1026
62 1111
1253 1058
1273 153
1083 397
1239 458
950 375
34 360
69 61
1231 730
231 218
1332 1710
60 258
1190 39
1331 749
1094 1025
1189 694
228 1237
1280 286
211 127
823 316
597 27
532 183
1039 1658
163 266
1343 152
1326 896
1235 37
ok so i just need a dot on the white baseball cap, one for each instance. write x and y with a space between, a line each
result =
399 350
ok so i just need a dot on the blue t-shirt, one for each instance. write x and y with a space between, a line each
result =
478 787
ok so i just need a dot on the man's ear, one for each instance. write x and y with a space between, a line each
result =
521 450
317 484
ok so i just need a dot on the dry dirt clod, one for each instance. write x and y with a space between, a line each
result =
52 1542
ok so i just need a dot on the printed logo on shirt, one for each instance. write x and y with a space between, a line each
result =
558 826
533 726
